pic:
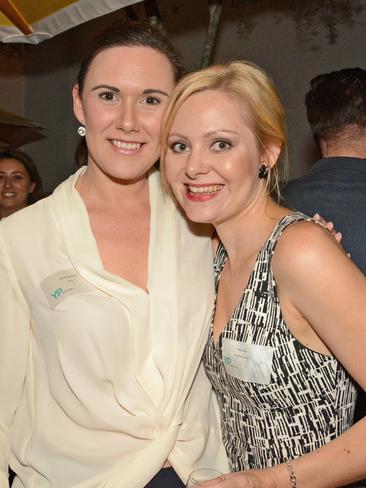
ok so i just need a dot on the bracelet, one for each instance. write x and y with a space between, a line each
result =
291 474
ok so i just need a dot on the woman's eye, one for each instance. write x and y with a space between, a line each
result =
179 147
221 146
151 101
108 96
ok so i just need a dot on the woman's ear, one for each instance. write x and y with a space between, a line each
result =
78 105
271 155
32 187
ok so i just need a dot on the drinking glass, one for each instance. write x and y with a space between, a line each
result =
200 475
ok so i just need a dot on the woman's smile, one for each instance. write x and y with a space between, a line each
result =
198 193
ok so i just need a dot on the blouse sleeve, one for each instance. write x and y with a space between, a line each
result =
14 340
199 443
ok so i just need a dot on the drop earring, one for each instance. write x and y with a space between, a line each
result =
81 131
263 172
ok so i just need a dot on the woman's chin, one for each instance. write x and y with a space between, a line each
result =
198 217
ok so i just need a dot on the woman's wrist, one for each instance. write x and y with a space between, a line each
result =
291 474
281 476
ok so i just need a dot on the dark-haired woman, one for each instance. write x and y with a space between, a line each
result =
20 181
103 321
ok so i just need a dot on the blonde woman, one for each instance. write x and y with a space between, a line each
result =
288 335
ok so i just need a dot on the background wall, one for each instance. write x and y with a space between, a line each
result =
290 49
12 83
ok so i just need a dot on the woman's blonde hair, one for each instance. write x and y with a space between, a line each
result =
254 88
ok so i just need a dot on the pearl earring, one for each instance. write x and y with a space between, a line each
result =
81 131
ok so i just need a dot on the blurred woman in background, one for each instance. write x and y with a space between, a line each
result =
20 181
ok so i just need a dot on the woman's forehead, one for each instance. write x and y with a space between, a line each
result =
10 164
131 61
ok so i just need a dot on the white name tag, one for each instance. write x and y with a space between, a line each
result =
247 362
62 284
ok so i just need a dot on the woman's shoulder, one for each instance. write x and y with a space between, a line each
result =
300 230
36 216
27 222
305 244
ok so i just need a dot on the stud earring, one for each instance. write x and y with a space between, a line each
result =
81 131
263 172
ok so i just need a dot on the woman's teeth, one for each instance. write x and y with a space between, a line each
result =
129 146
204 189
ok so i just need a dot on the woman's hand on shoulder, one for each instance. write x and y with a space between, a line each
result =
330 226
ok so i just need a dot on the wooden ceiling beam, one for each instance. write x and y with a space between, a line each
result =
14 15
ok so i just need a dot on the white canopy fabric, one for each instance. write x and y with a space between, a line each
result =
48 18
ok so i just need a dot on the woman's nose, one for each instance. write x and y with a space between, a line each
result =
128 120
196 165
7 182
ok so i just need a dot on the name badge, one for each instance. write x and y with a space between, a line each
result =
63 284
247 362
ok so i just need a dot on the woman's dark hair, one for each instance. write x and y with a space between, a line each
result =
128 34
31 168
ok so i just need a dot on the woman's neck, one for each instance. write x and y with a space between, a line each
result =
244 235
101 191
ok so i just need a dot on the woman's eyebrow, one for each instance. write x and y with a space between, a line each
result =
176 134
108 87
148 91
221 131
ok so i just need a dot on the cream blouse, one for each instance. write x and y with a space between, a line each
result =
95 373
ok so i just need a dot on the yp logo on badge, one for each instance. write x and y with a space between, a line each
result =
57 293
63 284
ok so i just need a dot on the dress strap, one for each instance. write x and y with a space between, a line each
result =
269 247
219 261
287 220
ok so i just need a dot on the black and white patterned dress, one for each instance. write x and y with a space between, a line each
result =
308 398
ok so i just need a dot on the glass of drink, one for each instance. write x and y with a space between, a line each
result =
200 475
